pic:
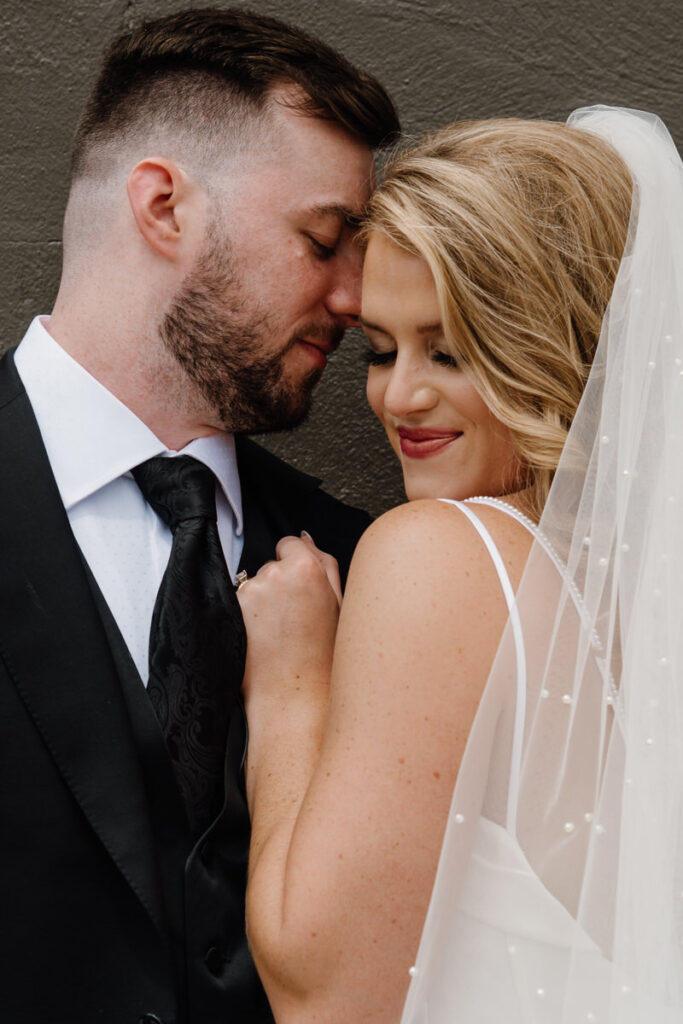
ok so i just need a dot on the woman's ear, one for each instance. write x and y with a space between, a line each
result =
158 191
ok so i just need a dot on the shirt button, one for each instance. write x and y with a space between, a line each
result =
214 960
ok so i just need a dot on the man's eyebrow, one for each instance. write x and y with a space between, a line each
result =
351 218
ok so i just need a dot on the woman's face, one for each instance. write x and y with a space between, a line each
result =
449 443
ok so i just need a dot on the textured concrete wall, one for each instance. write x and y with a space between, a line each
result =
441 59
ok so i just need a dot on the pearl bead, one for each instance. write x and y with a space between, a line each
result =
602 562
540 992
459 818
569 827
626 990
651 365
663 662
586 542
650 741
625 472
588 817
545 694
566 698
668 339
600 830
604 439
412 971
625 547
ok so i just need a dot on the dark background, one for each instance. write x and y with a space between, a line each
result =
441 59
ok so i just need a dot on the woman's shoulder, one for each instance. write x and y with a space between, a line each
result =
438 538
442 524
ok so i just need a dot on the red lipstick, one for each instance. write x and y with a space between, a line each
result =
421 442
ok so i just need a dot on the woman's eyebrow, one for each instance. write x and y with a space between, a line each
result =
370 326
432 328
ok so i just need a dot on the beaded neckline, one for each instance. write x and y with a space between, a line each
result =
483 499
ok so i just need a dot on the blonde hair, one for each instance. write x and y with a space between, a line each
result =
523 225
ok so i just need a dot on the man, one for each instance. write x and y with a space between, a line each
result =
210 267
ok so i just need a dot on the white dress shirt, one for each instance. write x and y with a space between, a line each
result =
93 441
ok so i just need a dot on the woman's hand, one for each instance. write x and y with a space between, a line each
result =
290 610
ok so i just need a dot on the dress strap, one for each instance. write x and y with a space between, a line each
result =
520 654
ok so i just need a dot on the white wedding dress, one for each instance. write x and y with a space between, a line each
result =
499 947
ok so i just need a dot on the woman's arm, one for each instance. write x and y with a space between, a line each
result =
349 798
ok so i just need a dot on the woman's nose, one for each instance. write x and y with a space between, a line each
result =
408 390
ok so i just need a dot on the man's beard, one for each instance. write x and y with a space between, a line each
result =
219 342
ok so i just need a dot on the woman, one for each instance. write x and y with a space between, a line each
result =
493 250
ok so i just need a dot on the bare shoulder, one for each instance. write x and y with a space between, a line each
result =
437 538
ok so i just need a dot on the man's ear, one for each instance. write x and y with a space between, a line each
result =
158 192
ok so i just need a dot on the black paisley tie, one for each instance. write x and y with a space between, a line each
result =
197 641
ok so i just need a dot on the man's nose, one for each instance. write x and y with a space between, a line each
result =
344 296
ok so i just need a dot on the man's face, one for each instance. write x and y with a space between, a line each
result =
278 279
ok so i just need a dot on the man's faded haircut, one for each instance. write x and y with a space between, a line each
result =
207 75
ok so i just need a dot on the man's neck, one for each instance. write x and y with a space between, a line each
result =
140 373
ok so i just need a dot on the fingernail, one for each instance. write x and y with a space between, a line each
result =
305 533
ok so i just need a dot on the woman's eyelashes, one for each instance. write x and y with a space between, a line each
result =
373 358
444 359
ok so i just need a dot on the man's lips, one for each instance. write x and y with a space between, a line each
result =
326 347
318 348
421 442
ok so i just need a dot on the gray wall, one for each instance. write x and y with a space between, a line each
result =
441 59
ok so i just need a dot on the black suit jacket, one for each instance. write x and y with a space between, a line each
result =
109 910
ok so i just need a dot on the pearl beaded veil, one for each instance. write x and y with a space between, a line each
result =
559 893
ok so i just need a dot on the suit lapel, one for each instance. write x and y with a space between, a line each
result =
270 492
56 650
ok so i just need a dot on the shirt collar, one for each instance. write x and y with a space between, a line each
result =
90 436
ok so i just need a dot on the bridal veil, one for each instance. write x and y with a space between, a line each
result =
559 892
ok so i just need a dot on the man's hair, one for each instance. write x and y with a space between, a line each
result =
208 73
523 225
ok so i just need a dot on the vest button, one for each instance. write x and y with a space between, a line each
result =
150 1018
215 961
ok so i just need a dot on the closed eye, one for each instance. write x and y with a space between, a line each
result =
445 359
373 358
321 252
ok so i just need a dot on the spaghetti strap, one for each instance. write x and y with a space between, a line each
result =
520 655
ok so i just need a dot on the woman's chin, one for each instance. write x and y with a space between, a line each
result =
420 490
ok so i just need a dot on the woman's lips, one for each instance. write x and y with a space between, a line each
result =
420 443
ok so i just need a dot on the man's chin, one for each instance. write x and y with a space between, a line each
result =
269 421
